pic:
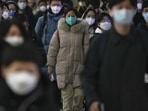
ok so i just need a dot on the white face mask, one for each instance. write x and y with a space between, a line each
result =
80 3
90 20
5 15
22 83
139 6
105 25
14 41
123 16
42 8
56 9
22 5
145 15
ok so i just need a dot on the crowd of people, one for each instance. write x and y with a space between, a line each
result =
73 55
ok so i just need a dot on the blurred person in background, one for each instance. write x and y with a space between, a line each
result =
143 26
33 5
66 53
45 27
138 17
90 17
5 12
81 7
104 22
12 32
42 6
115 65
27 11
1 10
13 8
22 86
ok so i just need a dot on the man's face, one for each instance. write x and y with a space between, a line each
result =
56 3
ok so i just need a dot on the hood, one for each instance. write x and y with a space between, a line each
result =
80 26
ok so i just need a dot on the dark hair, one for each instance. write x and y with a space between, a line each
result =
102 15
62 1
24 53
6 25
88 10
42 1
21 18
71 9
94 3
145 4
115 2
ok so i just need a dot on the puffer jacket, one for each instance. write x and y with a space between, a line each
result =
67 51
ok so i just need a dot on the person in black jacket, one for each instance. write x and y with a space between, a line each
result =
22 87
113 74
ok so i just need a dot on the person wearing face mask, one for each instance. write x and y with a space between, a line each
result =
45 28
12 32
115 65
104 22
143 26
66 53
27 11
33 5
5 12
90 17
42 5
12 6
21 81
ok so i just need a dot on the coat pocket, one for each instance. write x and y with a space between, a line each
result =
61 81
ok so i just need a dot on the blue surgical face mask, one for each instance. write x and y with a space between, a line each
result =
71 20
145 15
12 13
123 16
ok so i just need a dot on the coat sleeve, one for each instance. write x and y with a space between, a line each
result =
89 75
38 27
53 52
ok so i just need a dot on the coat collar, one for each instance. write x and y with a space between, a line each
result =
78 27
117 38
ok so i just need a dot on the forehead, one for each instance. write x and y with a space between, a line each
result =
22 0
124 4
23 65
71 13
56 2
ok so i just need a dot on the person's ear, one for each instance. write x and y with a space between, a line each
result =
110 12
3 71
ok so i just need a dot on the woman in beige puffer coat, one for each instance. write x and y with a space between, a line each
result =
66 53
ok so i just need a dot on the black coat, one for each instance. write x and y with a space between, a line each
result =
39 100
117 78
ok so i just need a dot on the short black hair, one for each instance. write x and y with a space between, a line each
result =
115 2
6 25
102 15
71 9
24 53
62 1
42 1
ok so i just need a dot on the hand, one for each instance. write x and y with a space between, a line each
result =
94 106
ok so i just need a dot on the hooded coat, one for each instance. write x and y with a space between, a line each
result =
67 51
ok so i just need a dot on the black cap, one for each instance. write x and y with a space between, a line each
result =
11 2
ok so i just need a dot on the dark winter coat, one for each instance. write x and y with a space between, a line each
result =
39 100
114 73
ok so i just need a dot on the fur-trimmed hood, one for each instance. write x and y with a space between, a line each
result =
80 26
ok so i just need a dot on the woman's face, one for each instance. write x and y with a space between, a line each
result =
90 14
14 31
70 14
